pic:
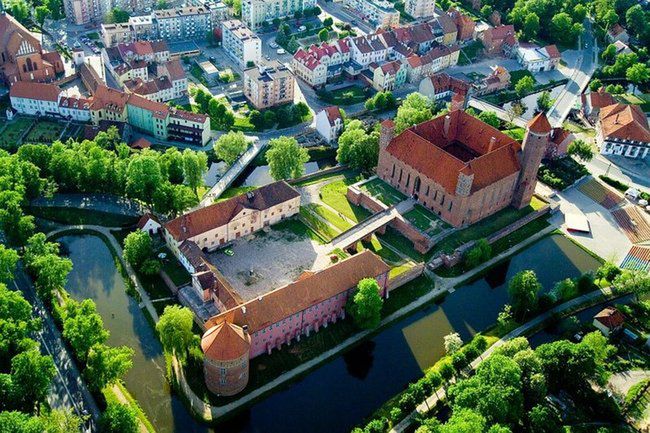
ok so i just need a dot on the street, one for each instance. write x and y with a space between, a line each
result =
68 389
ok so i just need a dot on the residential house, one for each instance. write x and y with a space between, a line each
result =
558 145
329 123
592 102
435 60
609 321
420 8
441 86
148 223
368 49
501 40
623 130
447 27
538 59
380 13
388 76
465 25
618 33
319 63
498 79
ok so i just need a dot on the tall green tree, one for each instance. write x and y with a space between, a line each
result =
366 303
414 110
51 274
523 289
138 247
195 164
229 146
544 102
638 74
8 260
357 148
525 85
286 158
31 375
530 29
118 418
143 177
581 150
83 327
106 365
175 330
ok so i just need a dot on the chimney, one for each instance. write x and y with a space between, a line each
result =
493 141
245 329
447 125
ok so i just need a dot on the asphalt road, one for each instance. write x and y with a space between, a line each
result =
67 389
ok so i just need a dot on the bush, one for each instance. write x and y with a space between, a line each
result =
395 415
585 282
150 267
547 301
407 402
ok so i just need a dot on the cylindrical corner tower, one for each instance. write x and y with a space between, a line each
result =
226 349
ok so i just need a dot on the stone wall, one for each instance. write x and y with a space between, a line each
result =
337 169
405 277
420 241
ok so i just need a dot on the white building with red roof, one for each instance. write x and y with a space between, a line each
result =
318 63
623 130
608 321
329 123
538 59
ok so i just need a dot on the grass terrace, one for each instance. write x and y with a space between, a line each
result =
470 52
346 96
44 132
333 194
425 220
311 219
173 268
643 100
11 133
383 192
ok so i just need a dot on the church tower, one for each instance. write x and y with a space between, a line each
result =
538 133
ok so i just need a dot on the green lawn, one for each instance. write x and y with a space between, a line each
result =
515 76
323 229
346 96
297 228
383 192
75 216
331 216
425 220
642 100
234 191
12 131
561 173
348 174
516 133
470 52
44 132
333 194
173 268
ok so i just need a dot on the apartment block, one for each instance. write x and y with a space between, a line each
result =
255 12
420 8
240 43
380 13
269 85
191 22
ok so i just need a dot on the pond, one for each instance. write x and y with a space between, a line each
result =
344 391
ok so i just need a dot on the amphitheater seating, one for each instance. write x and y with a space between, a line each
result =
637 259
600 194
634 223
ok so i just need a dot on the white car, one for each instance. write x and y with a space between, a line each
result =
273 44
280 51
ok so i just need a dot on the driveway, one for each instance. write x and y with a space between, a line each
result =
620 383
634 172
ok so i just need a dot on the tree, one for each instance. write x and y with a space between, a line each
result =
544 101
83 327
366 303
636 20
486 11
41 12
563 30
17 323
143 177
505 319
414 110
516 109
608 271
162 4
118 418
567 366
195 164
51 274
595 85
286 158
138 247
229 146
19 9
106 365
31 374
609 54
523 289
293 45
638 74
282 36
543 419
479 253
357 148
118 15
637 282
525 85
491 118
581 150
175 330
530 29
324 35
328 22
621 65
8 260
452 342
446 371
464 421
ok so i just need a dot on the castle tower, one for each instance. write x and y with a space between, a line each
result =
538 132
386 133
226 350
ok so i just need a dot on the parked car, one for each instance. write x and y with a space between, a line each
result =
302 28
280 51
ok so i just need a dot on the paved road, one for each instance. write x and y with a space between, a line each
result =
68 390
587 63
616 167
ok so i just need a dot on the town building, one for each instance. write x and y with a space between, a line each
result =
255 12
109 105
609 321
441 87
420 8
461 168
558 145
501 40
115 33
388 76
188 22
22 57
278 317
465 25
622 48
81 12
329 123
498 79
147 223
145 68
445 25
435 60
618 33
269 85
241 43
592 102
319 63
623 130
538 59
220 223
380 13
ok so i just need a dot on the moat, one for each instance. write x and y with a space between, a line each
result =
344 390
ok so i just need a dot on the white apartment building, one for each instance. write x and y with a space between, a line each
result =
240 43
368 49
420 8
255 12
38 99
191 22
380 13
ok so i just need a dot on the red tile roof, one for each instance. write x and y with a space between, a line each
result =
539 124
610 317
552 51
225 342
333 112
216 215
307 291
424 147
141 143
39 91
624 122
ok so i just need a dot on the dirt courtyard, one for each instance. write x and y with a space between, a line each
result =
269 259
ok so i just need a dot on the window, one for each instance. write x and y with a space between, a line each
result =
451 203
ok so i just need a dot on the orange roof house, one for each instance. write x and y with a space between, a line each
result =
623 130
609 320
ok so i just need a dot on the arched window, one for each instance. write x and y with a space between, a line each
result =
416 184
29 64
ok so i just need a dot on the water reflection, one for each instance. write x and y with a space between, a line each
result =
359 359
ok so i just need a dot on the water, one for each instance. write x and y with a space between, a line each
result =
342 392
259 176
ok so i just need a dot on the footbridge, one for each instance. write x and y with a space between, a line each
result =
365 229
